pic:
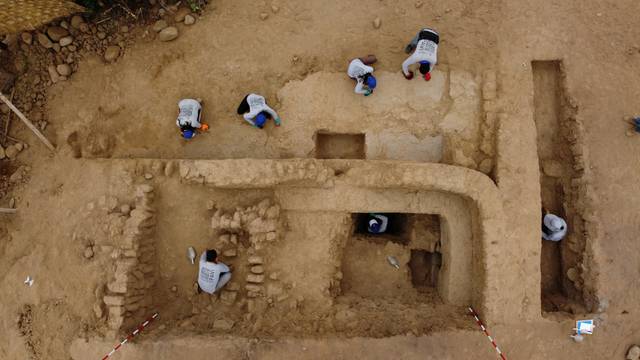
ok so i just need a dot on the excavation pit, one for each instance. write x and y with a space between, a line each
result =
340 146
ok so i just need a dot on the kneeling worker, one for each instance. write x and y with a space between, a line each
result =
554 228
212 275
189 116
377 223
425 51
361 71
255 111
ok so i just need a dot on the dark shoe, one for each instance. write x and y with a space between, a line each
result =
408 77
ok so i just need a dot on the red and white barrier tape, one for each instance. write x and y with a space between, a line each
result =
484 329
131 336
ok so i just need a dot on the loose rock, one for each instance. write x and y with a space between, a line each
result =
168 34
2 153
633 353
88 252
264 16
572 274
27 38
65 41
64 69
189 20
111 53
76 20
11 152
44 41
159 25
53 73
57 32
275 9
377 23
124 29
181 14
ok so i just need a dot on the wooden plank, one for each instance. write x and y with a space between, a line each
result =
27 122
8 211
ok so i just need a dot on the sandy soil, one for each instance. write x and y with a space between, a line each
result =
230 52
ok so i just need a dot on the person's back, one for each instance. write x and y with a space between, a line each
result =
362 72
554 228
212 275
425 52
254 110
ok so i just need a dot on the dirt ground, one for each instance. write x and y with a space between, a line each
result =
297 58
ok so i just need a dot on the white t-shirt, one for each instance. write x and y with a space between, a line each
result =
426 50
258 104
189 113
555 226
209 274
358 69
382 220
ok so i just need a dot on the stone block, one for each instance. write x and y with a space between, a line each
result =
113 300
228 297
255 279
257 269
223 325
230 253
271 236
255 260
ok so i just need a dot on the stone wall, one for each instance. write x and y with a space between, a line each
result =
492 257
128 298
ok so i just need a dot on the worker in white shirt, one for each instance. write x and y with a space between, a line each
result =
189 117
554 228
361 71
377 223
212 275
425 52
255 111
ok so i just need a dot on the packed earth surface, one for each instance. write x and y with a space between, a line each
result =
527 109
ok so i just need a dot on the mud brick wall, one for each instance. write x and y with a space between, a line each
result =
128 295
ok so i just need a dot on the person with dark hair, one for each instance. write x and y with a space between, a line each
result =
212 275
377 223
425 52
361 71
189 117
255 111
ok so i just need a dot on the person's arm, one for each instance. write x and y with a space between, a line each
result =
408 62
248 118
223 268
273 114
360 86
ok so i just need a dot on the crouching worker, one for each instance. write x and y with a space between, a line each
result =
377 223
554 228
189 117
212 275
361 71
255 111
425 52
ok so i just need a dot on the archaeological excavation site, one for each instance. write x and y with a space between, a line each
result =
412 222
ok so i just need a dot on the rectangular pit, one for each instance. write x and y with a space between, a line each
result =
556 129
339 146
413 239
